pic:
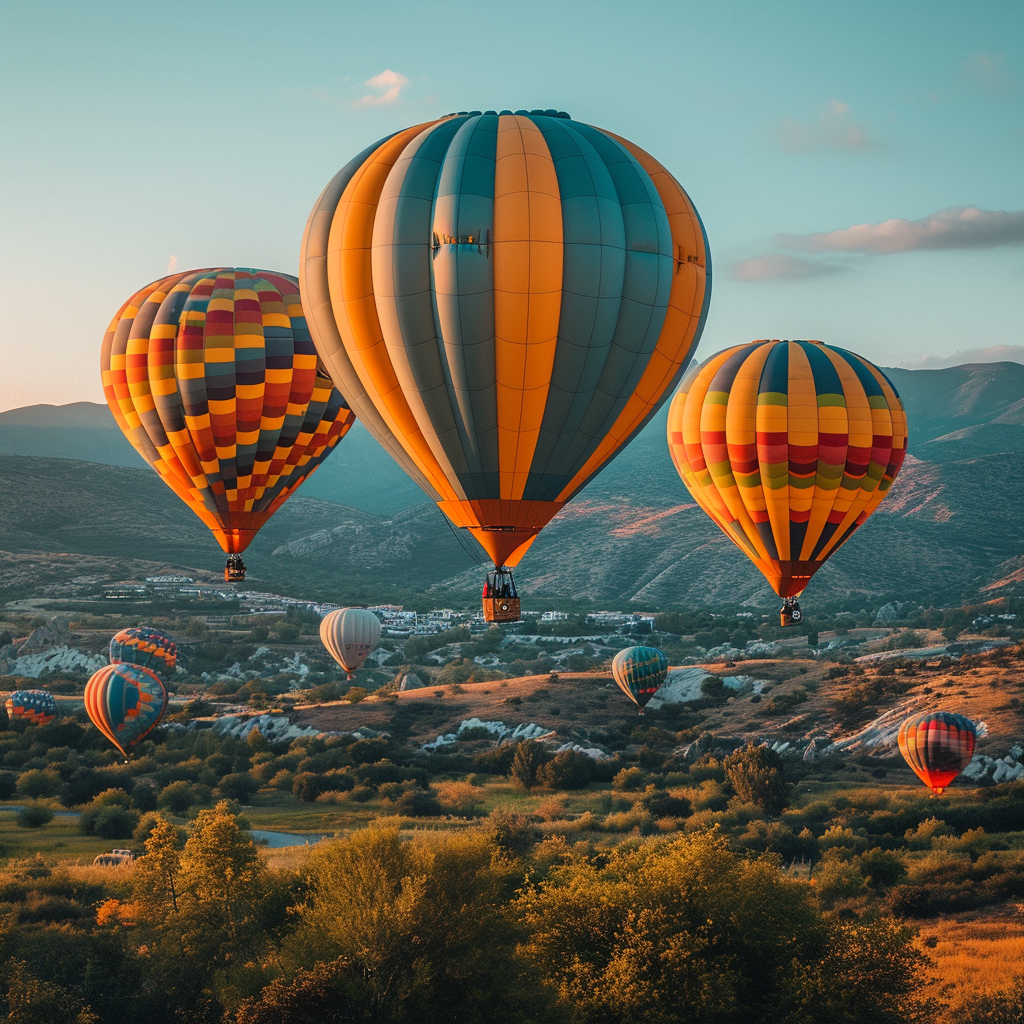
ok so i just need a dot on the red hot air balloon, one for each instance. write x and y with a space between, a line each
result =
938 745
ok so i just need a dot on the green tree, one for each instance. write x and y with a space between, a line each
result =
755 773
526 763
31 1000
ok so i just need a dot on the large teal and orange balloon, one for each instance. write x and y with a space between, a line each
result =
125 702
938 745
788 446
213 377
639 671
37 707
142 645
505 299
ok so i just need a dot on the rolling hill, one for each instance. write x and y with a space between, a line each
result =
359 530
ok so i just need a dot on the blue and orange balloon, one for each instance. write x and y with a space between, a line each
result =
125 702
140 645
37 707
639 671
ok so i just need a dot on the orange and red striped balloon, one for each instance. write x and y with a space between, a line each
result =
788 446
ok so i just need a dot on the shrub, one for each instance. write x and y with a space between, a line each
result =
419 803
460 797
241 787
38 783
526 764
179 796
662 804
8 784
512 832
755 773
568 770
307 786
629 780
116 822
34 816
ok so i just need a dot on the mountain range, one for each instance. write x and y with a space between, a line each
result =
72 488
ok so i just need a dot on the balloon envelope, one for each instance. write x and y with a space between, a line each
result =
125 702
639 671
213 377
350 634
141 645
788 446
35 706
505 300
938 745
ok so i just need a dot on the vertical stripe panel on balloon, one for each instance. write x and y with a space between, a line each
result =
802 412
593 273
677 341
401 262
527 294
646 289
460 269
316 301
773 448
354 308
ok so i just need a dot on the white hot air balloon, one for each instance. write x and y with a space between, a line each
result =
349 634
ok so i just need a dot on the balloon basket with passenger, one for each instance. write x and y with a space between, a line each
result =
234 569
500 597
789 613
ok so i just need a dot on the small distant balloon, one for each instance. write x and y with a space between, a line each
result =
34 706
125 702
639 671
938 745
141 645
350 634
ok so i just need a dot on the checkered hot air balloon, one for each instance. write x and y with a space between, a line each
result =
788 446
125 702
505 299
141 645
214 379
639 671
938 745
37 707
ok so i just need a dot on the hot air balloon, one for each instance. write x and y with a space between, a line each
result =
938 745
788 446
141 645
213 377
504 299
37 707
639 671
125 702
349 634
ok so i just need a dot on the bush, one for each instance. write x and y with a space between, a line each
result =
629 780
34 816
38 783
755 773
116 822
568 770
419 803
241 787
8 785
526 763
662 804
179 796
512 832
307 786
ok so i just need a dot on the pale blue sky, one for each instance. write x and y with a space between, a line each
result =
133 135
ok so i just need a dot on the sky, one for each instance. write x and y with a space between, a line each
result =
859 168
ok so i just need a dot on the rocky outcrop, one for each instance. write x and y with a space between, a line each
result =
410 681
499 730
997 769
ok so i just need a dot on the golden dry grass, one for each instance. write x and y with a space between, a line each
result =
975 954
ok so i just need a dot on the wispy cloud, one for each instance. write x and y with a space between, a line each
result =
387 86
987 72
172 265
780 267
992 354
834 129
959 227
